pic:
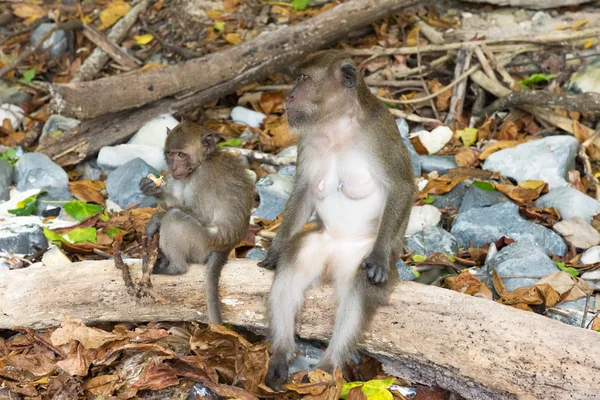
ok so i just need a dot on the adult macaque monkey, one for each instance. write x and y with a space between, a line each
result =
208 202
354 171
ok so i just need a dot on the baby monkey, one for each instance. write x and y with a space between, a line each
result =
354 171
207 202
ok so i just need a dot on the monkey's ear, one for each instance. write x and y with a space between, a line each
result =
349 77
168 131
208 143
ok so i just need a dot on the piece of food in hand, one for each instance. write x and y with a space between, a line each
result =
157 179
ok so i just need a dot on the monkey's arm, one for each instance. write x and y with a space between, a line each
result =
399 183
298 210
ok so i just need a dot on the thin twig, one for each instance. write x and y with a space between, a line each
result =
431 102
414 117
65 26
123 267
148 262
585 310
463 61
484 63
436 94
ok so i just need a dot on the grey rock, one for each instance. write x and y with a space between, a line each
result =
404 271
308 358
273 190
6 171
480 226
20 237
478 198
441 164
122 184
58 122
571 312
570 203
12 94
519 264
89 170
586 79
257 254
201 391
288 170
291 151
453 198
57 42
548 159
432 240
414 156
38 171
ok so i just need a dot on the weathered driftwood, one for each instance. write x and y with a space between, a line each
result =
583 102
532 4
269 51
475 347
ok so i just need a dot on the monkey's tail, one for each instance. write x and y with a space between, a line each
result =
215 263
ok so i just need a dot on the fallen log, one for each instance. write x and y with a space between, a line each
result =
583 102
270 51
474 347
532 4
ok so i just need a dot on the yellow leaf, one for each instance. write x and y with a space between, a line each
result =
233 38
31 12
87 19
143 39
588 43
531 184
468 136
411 37
213 14
151 66
112 13
562 27
219 26
579 24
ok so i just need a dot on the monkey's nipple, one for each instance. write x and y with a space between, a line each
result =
322 185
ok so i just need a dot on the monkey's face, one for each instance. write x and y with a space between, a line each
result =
187 146
324 86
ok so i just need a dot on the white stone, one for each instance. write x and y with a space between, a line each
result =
435 140
111 157
248 117
55 256
577 231
154 132
14 114
422 217
590 256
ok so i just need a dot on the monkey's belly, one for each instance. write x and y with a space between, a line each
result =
346 217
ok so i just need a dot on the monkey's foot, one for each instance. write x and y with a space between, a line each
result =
277 375
377 268
270 262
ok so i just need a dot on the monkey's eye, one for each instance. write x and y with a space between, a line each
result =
180 155
303 77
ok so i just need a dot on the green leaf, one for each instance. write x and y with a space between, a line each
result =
468 136
54 237
415 272
347 386
536 78
429 199
219 26
377 389
28 75
569 270
79 235
113 231
10 155
484 186
300 5
27 206
451 258
81 210
104 217
230 143
418 258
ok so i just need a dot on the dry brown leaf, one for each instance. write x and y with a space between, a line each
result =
233 38
508 131
412 35
36 363
519 194
156 376
568 286
28 11
530 295
581 132
272 102
74 330
442 101
278 129
88 191
466 157
418 146
467 283
441 185
596 324
503 144
78 360
356 393
102 385
575 180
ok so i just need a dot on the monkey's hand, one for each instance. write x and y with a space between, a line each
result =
149 188
270 261
377 265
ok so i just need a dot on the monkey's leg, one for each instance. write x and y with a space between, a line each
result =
356 300
299 267
182 239
215 263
